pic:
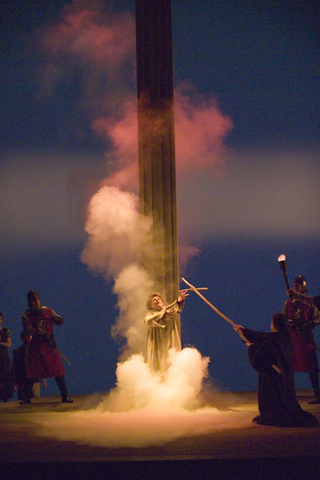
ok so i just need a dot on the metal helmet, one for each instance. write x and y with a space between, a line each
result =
32 295
301 281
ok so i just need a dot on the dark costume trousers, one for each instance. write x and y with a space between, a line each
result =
25 389
61 382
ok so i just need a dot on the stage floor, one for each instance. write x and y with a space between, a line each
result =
259 447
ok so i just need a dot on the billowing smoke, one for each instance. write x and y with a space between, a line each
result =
117 234
90 49
144 427
95 47
143 410
89 54
87 60
138 388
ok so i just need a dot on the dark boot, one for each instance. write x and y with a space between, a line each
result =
314 378
25 390
63 389
66 399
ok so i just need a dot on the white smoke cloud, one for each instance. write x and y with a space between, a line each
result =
132 287
138 388
145 410
142 428
116 231
117 236
249 197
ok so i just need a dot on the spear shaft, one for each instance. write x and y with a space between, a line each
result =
216 310
189 289
64 358
277 369
208 303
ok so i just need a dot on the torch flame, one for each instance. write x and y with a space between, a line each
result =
282 258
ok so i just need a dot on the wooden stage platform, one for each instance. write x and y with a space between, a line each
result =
252 452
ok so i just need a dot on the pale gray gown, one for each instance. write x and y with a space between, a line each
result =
163 334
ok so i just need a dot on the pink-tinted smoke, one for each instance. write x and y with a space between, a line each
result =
92 47
95 46
88 31
123 157
200 132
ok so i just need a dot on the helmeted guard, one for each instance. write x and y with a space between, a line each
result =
302 320
43 359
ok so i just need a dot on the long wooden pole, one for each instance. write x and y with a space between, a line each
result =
208 303
225 318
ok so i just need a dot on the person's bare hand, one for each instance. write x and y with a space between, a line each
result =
238 328
182 295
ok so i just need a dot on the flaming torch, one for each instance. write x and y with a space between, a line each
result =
283 266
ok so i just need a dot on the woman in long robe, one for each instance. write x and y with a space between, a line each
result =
163 332
271 354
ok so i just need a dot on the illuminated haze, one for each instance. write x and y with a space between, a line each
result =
95 48
117 232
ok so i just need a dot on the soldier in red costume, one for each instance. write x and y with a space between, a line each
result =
43 360
302 319
6 386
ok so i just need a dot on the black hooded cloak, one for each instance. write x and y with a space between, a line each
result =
277 401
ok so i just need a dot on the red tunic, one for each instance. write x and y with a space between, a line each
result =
43 359
304 349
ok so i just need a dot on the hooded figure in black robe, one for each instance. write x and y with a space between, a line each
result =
271 354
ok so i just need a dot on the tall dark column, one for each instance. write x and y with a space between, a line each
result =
157 174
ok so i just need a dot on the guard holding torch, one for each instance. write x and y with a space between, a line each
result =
302 319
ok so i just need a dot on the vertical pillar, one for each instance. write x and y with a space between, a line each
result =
157 175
